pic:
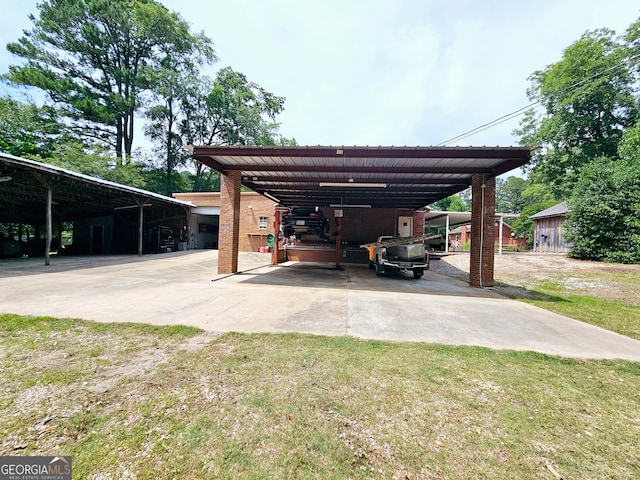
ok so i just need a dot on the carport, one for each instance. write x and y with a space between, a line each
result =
35 192
369 177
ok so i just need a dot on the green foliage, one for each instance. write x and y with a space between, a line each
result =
509 194
28 130
604 223
453 203
230 110
95 58
588 101
96 162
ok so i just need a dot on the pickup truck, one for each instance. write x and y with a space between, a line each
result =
397 254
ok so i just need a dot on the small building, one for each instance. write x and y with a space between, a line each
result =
256 220
548 235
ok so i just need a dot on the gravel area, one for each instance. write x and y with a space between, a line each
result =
527 269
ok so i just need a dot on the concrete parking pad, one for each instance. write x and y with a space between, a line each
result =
183 288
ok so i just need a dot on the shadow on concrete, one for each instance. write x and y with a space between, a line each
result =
515 292
359 277
35 265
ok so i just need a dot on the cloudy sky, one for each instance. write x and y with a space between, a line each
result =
385 72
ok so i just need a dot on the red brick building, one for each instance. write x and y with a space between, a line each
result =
462 235
256 219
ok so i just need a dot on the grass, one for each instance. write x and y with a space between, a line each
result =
608 300
298 406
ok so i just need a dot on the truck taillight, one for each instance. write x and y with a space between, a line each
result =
383 254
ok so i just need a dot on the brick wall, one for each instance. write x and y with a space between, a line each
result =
251 237
360 225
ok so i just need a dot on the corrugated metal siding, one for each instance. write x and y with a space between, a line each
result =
548 235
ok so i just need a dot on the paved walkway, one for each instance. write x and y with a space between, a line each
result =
183 288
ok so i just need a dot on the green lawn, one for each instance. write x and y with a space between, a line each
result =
132 401
608 300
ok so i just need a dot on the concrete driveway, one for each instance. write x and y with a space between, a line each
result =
183 288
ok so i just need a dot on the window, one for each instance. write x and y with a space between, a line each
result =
263 223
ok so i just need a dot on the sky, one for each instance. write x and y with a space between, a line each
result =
384 72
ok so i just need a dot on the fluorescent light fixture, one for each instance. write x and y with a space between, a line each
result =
271 197
348 205
353 185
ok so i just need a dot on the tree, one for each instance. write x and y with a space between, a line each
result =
231 110
95 59
604 223
452 203
28 130
96 161
588 101
509 194
537 196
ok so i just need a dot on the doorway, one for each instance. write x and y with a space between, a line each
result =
405 226
97 240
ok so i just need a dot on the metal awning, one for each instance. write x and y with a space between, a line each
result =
23 187
376 177
435 218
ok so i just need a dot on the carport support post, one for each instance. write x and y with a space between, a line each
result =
446 235
483 211
276 239
338 240
47 246
140 225
229 230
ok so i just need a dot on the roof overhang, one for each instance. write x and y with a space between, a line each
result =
435 218
379 177
23 186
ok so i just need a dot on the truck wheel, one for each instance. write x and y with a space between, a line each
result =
417 273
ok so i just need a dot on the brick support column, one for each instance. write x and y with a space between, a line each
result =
418 222
483 211
229 222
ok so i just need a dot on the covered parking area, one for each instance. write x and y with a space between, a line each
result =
363 177
115 218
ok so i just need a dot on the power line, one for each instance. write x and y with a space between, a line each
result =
521 110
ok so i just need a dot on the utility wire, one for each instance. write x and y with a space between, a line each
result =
521 110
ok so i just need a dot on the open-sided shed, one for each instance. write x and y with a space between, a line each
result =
374 177
37 193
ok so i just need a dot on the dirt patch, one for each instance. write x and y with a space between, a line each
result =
527 270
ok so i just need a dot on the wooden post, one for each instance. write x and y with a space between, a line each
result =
47 246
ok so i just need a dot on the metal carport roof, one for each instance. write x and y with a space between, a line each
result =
379 177
75 196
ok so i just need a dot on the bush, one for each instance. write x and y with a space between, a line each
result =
604 223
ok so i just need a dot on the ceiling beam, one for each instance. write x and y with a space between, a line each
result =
251 170
261 179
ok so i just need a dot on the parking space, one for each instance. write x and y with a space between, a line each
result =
183 288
